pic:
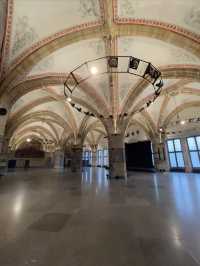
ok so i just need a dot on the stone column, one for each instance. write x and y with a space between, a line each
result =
94 158
58 159
76 158
48 159
160 156
117 158
186 155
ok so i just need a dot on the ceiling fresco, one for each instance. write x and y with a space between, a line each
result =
152 50
31 21
182 13
70 57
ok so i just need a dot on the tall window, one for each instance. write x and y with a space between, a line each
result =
87 157
175 153
102 157
105 157
194 149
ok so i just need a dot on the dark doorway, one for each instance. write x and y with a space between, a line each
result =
139 156
11 164
27 164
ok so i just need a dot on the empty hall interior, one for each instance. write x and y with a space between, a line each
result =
99 132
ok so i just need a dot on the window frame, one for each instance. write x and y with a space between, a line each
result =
197 150
175 152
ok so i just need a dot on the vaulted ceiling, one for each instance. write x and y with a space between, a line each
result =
44 40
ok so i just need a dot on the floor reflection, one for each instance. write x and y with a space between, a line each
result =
96 176
183 195
157 193
155 215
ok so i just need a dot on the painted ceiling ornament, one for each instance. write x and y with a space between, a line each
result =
193 18
44 65
128 8
104 85
97 46
127 43
89 8
24 36
112 65
181 55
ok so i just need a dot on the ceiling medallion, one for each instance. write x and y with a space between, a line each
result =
110 65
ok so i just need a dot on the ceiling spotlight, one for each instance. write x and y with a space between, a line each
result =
28 140
93 70
182 122
69 99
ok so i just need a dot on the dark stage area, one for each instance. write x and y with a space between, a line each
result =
139 156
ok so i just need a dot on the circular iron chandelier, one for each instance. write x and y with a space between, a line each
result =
111 65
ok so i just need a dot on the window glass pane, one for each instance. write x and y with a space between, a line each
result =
195 159
170 145
180 160
172 160
191 144
177 145
105 152
198 142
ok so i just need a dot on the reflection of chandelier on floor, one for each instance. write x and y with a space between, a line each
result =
111 65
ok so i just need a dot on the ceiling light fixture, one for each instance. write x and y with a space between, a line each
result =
28 140
93 70
69 99
109 65
182 122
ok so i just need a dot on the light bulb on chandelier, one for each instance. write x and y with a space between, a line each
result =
182 122
69 99
94 70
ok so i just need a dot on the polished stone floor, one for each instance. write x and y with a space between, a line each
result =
53 218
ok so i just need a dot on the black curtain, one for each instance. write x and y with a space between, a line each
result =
139 156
